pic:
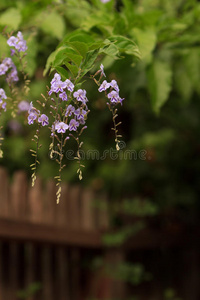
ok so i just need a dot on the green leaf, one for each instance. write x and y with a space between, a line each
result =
72 68
159 83
89 61
11 18
146 42
78 36
76 59
125 45
80 47
52 23
111 50
62 72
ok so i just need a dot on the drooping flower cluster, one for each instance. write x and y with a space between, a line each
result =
34 115
113 94
18 43
2 98
5 66
74 115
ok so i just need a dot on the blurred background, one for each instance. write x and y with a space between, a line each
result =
152 184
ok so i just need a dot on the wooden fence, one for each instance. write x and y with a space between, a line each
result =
47 250
50 246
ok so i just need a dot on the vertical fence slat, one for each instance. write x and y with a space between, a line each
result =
75 261
47 276
30 263
13 270
73 208
4 194
35 202
62 207
62 274
49 207
18 195
102 212
87 210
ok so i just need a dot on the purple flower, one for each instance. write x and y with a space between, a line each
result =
61 127
81 121
23 105
80 95
80 113
8 62
114 85
70 109
104 86
12 76
63 96
17 42
114 97
73 124
2 94
12 41
56 77
44 120
33 110
70 85
4 106
58 86
102 70
31 118
105 1
3 69
12 52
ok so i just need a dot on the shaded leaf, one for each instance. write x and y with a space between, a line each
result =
159 83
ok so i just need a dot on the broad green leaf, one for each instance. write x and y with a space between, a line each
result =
62 54
192 65
110 50
52 23
11 18
146 41
80 47
72 68
182 81
125 45
76 59
78 36
89 61
62 72
159 83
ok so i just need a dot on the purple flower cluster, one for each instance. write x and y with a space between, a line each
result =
58 86
78 115
7 64
113 94
17 42
2 97
34 115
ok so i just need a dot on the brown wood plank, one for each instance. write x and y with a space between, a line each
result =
75 261
29 272
4 194
35 202
102 213
49 209
47 276
26 231
73 207
18 195
88 221
62 208
62 274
